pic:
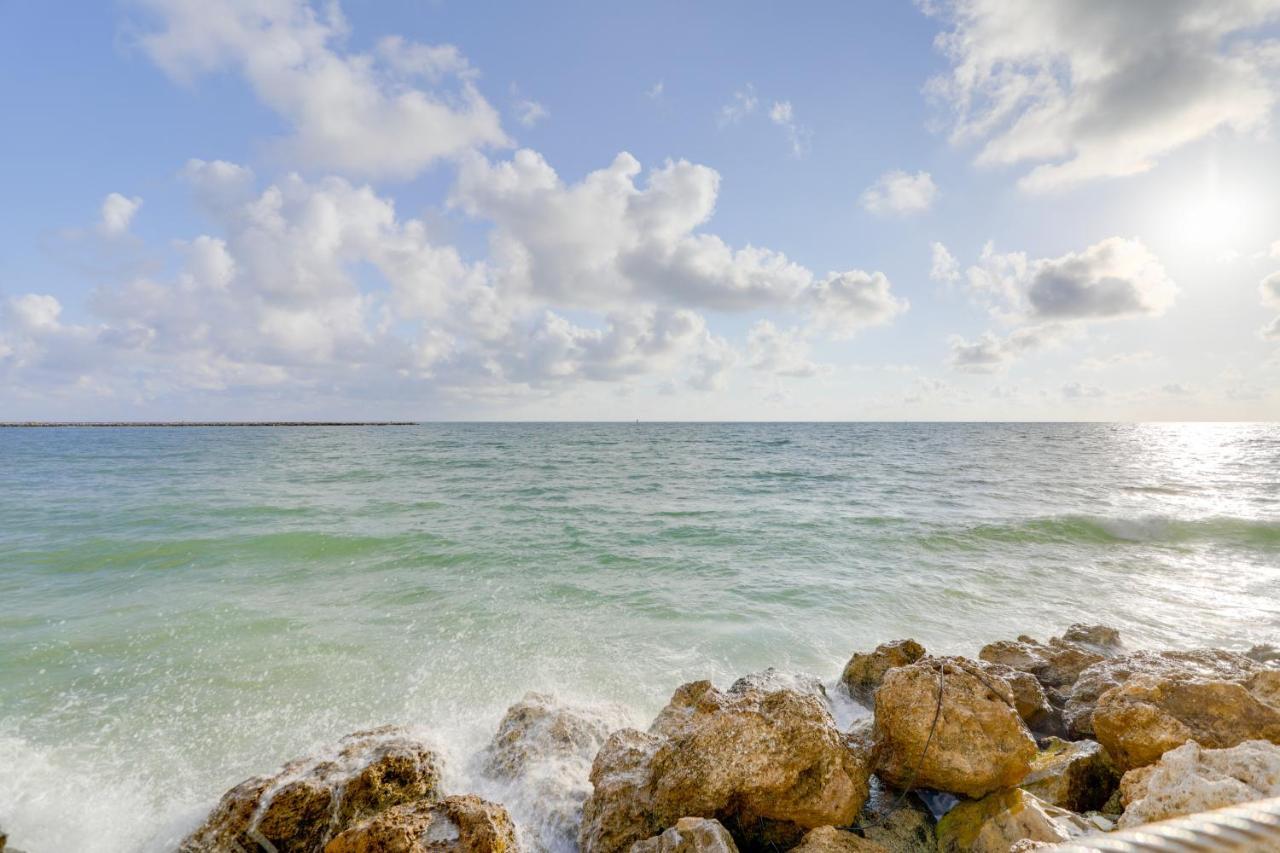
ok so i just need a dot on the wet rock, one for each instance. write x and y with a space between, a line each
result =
828 839
1147 716
1077 776
4 839
312 799
1263 653
865 670
1055 664
465 824
689 835
1029 697
1193 779
979 744
768 764
1100 637
996 822
1097 679
903 827
541 757
775 679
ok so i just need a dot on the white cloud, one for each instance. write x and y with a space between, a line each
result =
1077 391
1110 280
744 103
388 113
900 194
1269 290
991 353
320 284
529 113
605 242
944 267
655 92
1113 278
1087 89
798 135
117 213
780 352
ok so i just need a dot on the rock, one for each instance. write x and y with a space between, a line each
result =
541 757
768 764
864 671
1099 636
1031 701
1026 845
465 824
828 839
312 799
1263 653
775 679
4 839
1054 664
979 744
1147 716
689 835
1077 776
1104 675
1193 779
906 829
996 822
537 729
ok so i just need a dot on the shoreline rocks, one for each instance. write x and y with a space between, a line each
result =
768 764
995 748
979 743
1193 779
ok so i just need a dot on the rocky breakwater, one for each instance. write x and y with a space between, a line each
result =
1027 744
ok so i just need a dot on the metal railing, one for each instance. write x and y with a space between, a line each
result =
1249 828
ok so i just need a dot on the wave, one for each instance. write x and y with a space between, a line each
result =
1148 530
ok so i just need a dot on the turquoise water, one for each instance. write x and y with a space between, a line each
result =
181 608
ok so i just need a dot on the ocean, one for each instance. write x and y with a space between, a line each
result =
183 608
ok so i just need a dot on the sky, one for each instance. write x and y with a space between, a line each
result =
949 209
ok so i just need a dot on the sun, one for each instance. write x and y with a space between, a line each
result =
1212 215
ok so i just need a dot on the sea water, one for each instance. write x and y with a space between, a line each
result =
181 608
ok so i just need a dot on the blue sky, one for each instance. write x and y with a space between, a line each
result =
879 210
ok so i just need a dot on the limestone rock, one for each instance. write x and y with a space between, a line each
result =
1263 653
1054 664
979 744
1102 676
312 799
1029 697
1077 776
772 679
768 764
541 759
996 822
1147 716
1193 779
906 828
1100 637
864 671
689 835
828 839
465 824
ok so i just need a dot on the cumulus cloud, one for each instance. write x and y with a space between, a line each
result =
1269 290
780 352
1085 89
322 284
898 193
386 113
1077 391
608 240
1042 299
944 266
991 353
117 213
